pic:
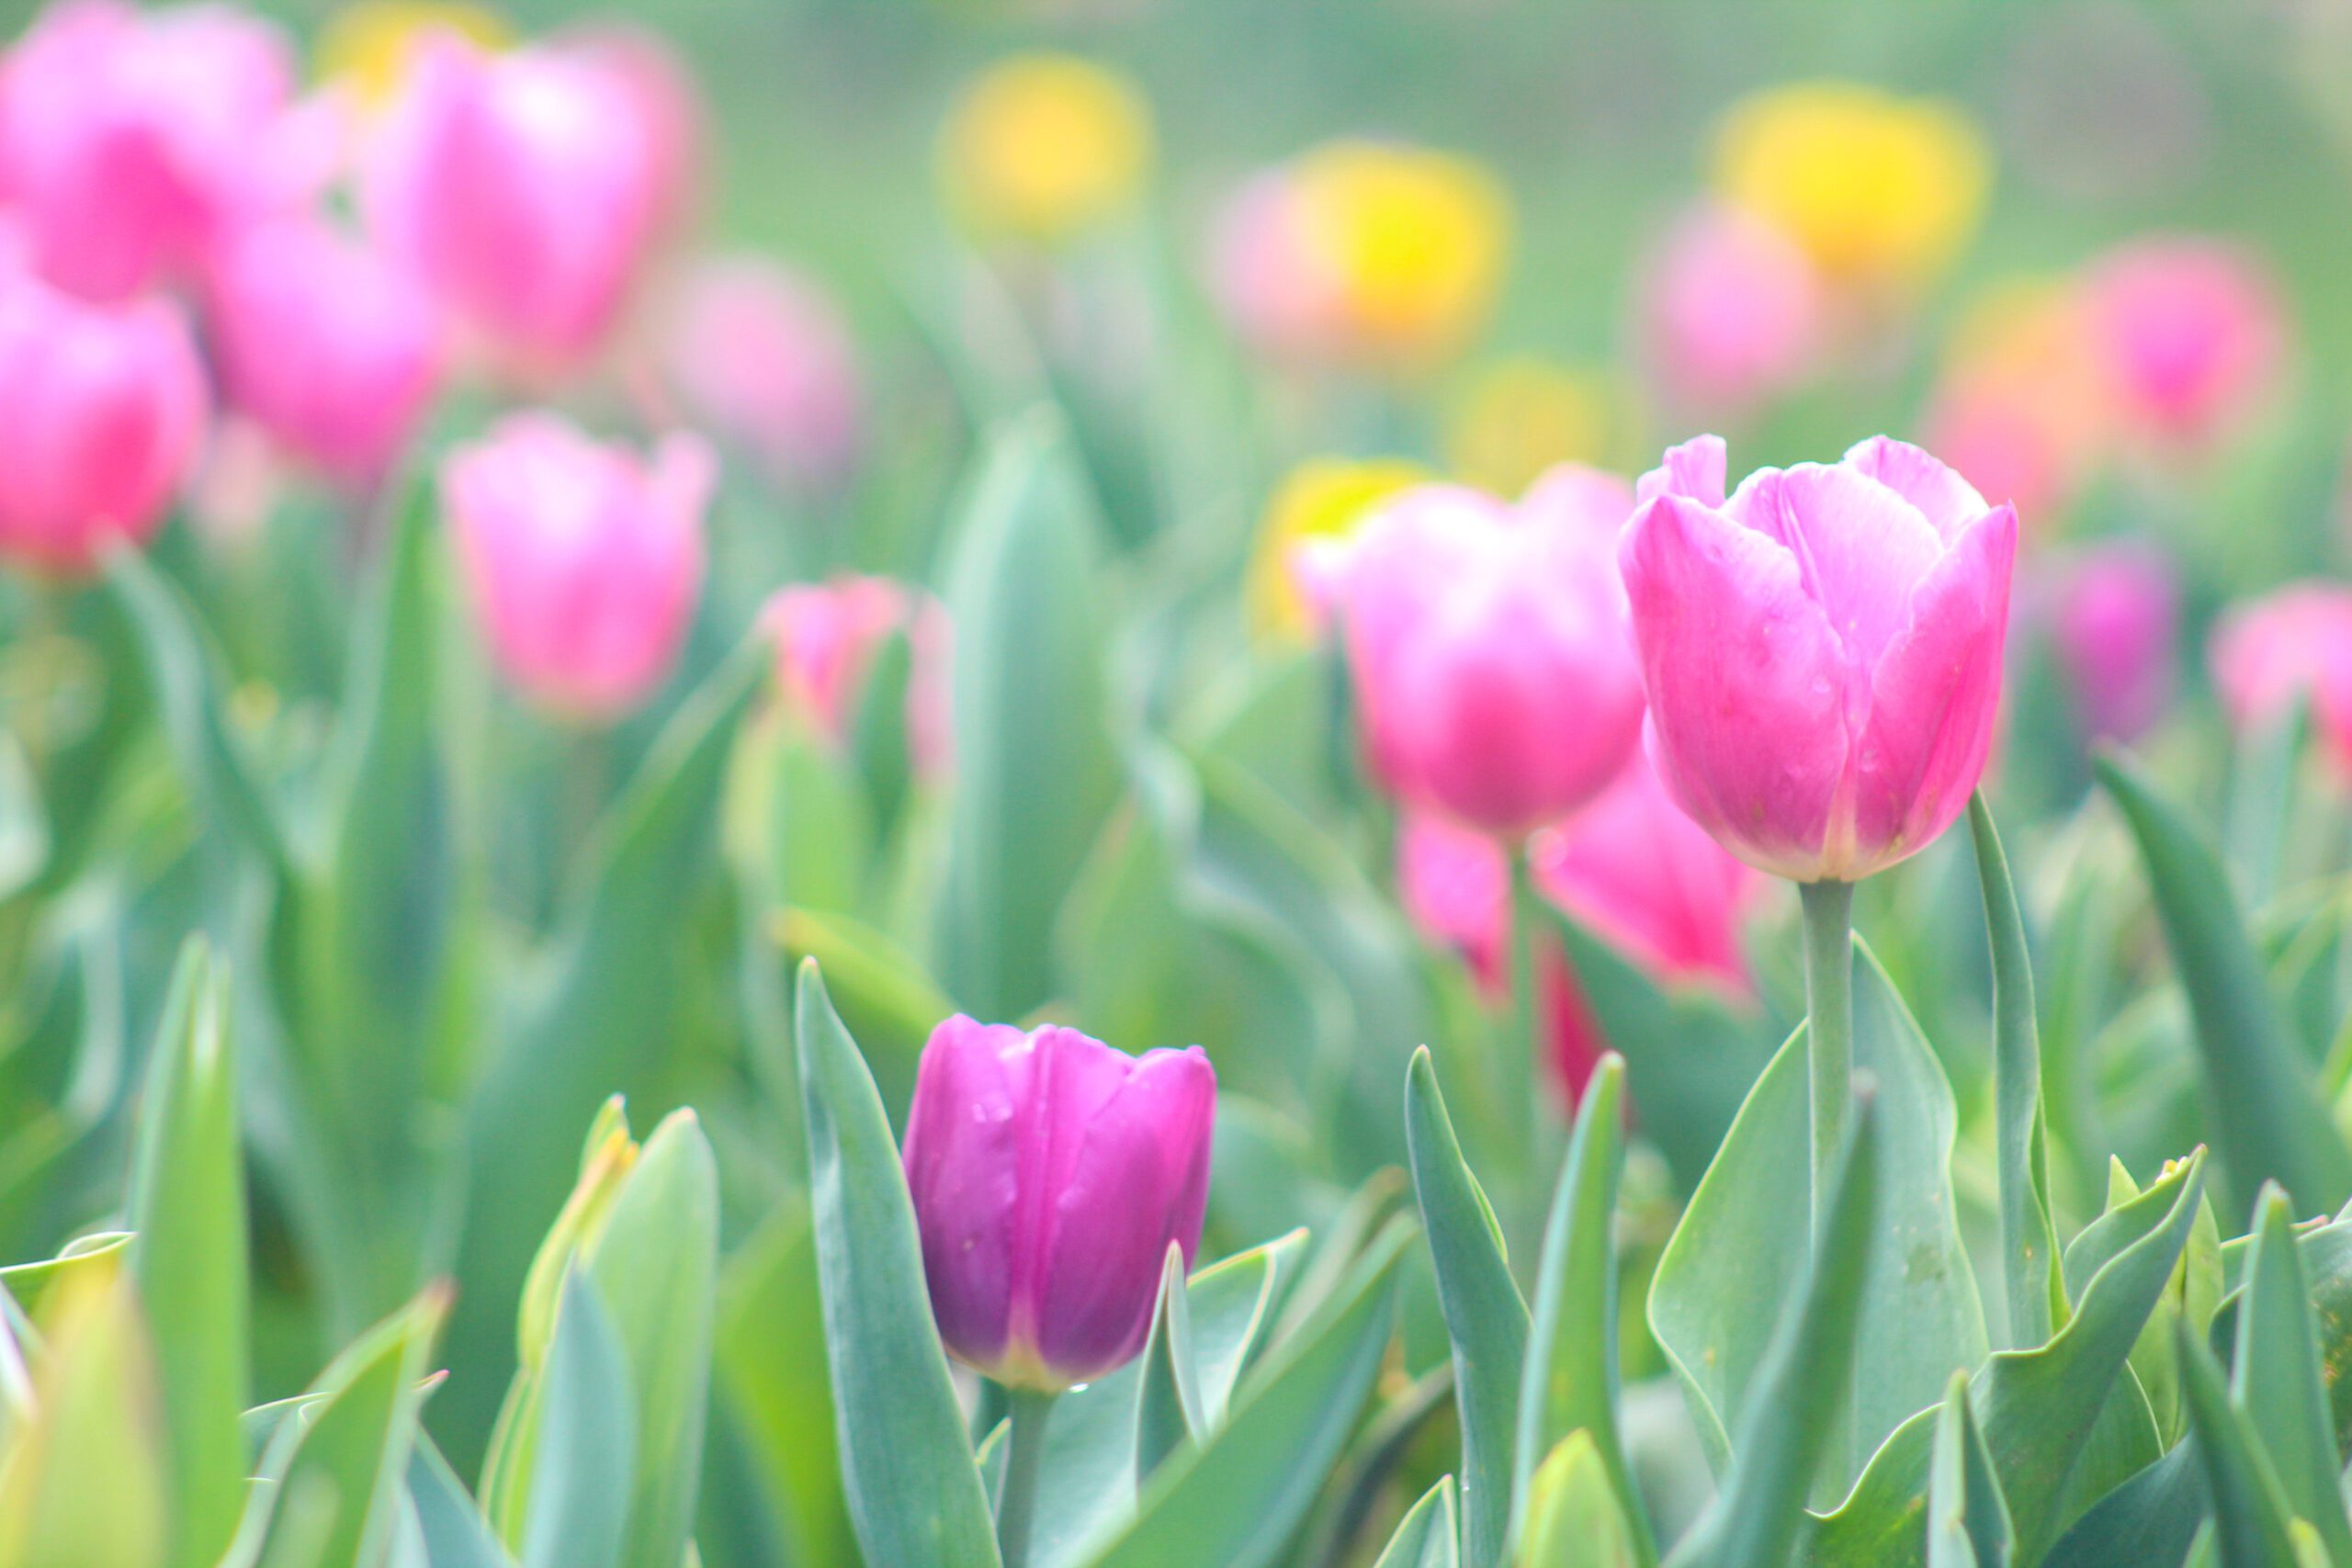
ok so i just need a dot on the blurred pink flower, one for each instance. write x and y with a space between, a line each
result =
102 416
669 108
2295 643
1487 647
1731 310
2114 614
525 189
585 564
2192 331
1822 650
826 635
764 359
328 346
130 141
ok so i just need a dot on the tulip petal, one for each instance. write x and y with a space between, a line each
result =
1699 468
1935 696
1744 675
965 1136
1947 501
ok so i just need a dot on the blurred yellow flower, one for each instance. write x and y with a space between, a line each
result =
1416 240
1044 145
369 45
1519 416
1876 188
1322 498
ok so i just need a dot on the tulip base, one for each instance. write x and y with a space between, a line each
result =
1829 1027
1023 1463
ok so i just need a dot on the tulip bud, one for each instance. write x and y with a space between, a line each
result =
585 564
1050 1173
825 638
2191 333
1487 647
327 347
523 188
2293 645
2113 619
765 360
1822 650
1042 147
1731 310
102 411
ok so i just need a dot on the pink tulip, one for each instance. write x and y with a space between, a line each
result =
826 636
668 108
101 414
525 188
326 345
1996 438
1487 643
1822 650
1049 1174
2113 621
584 563
130 141
1731 310
2191 330
2294 643
766 359
1264 270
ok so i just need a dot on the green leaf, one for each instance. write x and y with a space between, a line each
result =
914 1493
586 1459
1036 771
2276 1382
82 1481
1800 1394
1169 1412
1426 1535
2029 1262
1574 1518
1743 1243
453 1531
2038 1408
1968 1519
1235 1500
2267 1119
1484 1318
95 1256
2250 1512
881 992
1569 1383
337 1480
2152 1517
188 1210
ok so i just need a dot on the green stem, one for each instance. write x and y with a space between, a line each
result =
1526 1019
1829 1028
1023 1463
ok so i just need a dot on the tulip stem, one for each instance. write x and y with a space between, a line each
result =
1829 1026
1526 1026
1023 1463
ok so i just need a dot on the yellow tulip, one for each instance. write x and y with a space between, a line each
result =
1877 189
1043 146
368 46
1519 416
1415 240
1323 498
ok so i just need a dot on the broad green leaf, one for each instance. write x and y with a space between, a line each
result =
1169 1409
1036 770
1569 1383
776 1382
2250 1512
2152 1517
96 1255
1787 1426
1426 1535
2276 1380
2262 789
188 1212
2192 1296
1743 1243
1236 1499
820 832
1574 1518
2266 1117
84 1481
1484 1318
914 1492
884 997
453 1531
2037 1409
586 1459
1968 1519
2030 1263
337 1480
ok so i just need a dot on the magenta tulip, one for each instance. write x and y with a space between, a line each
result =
764 359
1732 311
2191 333
525 190
1050 1173
1822 650
826 635
328 348
584 563
2293 645
1494 677
101 414
132 141
2114 616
